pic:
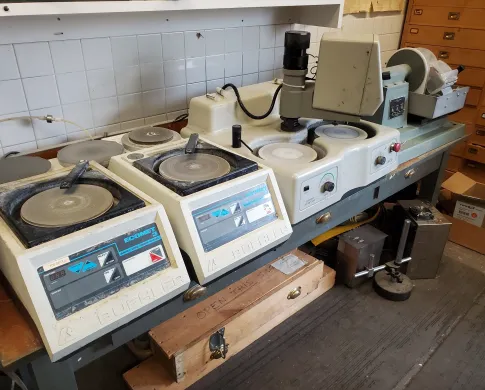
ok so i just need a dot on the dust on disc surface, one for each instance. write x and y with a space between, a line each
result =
95 150
194 167
341 132
288 152
56 207
16 168
150 135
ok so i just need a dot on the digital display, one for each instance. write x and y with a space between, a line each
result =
204 218
57 275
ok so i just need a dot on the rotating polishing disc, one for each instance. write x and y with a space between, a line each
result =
16 168
341 132
57 207
285 152
95 150
194 167
390 289
151 135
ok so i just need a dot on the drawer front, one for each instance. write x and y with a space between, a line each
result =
481 116
452 3
455 164
459 149
448 16
472 77
465 115
473 97
445 36
475 153
455 55
478 136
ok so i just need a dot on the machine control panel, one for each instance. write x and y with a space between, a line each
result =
382 156
83 278
318 188
230 218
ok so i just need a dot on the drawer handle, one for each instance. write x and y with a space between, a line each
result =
449 36
418 12
444 55
472 151
480 133
454 16
295 293
414 31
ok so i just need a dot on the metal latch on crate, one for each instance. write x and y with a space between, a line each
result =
218 345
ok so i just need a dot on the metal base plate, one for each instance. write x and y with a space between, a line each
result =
390 289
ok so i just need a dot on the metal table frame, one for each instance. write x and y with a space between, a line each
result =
40 373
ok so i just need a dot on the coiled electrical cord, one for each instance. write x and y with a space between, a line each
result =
243 107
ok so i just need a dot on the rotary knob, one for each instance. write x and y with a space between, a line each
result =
381 160
395 147
328 186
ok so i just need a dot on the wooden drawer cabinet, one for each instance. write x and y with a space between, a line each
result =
472 77
473 97
452 3
465 115
478 136
448 16
454 55
481 116
459 149
449 36
475 153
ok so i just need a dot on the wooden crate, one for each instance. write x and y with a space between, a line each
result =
246 310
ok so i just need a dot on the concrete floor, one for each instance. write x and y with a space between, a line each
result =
353 339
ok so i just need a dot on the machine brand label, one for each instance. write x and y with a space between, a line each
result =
88 276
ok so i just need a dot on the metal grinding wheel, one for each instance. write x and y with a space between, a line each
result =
95 150
194 167
16 168
285 152
151 135
339 131
56 207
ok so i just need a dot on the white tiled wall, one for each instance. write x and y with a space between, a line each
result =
113 83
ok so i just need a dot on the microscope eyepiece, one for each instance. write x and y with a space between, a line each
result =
296 44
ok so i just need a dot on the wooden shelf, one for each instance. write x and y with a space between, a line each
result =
101 7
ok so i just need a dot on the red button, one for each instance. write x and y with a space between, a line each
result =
396 147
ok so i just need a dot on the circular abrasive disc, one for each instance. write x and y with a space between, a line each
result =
96 150
194 167
151 135
56 207
16 168
285 152
341 132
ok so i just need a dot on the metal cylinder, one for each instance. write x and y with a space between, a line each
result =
402 241
236 136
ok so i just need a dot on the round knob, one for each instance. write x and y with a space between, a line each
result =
395 147
328 186
381 160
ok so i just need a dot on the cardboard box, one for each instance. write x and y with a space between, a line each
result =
468 206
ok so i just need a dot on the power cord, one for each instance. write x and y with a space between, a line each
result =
48 119
243 107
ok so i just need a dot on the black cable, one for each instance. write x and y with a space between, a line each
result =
252 116
180 118
247 146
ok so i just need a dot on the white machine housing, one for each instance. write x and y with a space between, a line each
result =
349 164
214 263
348 78
20 265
